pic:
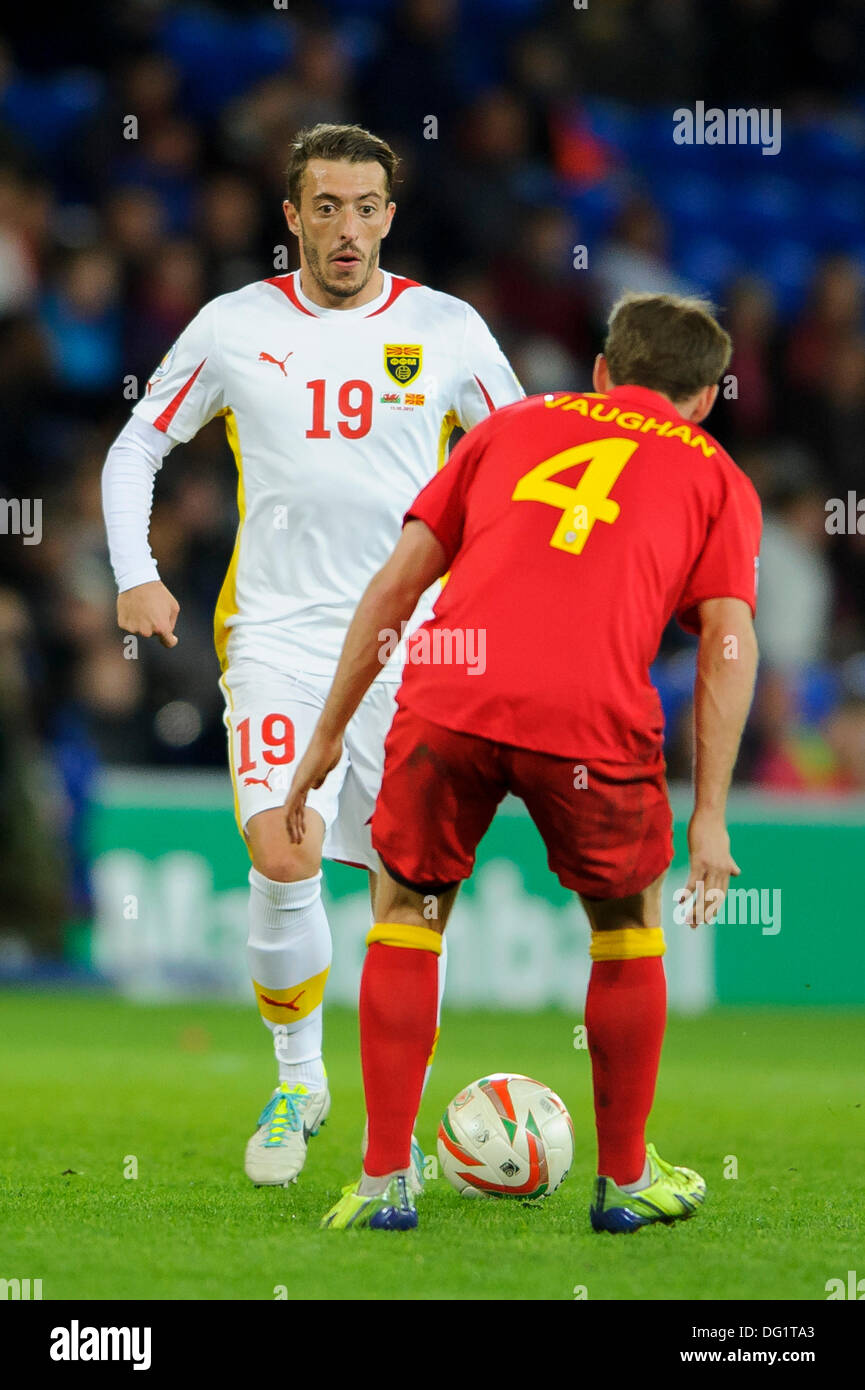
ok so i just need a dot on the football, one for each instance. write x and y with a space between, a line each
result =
506 1136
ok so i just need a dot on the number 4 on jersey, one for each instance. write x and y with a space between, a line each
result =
586 503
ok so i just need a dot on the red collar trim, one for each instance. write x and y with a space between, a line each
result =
285 283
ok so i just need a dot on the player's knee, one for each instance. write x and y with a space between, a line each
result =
286 863
274 855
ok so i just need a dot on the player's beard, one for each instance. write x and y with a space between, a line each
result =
338 288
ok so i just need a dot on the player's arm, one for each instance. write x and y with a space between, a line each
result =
718 602
487 380
144 605
723 690
184 393
389 600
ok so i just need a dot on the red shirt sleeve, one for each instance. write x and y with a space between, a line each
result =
728 563
442 503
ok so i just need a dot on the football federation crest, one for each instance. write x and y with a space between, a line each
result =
165 364
403 362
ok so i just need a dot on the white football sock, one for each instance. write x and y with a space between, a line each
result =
375 1187
289 950
642 1180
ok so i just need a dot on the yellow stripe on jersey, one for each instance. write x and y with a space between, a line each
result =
449 424
226 604
230 726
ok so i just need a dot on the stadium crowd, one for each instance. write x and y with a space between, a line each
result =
141 162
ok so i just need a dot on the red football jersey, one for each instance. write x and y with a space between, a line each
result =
575 526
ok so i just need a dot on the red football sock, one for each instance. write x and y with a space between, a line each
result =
626 1010
398 1008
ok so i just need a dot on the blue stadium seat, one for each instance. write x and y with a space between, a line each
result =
693 204
833 147
221 57
839 215
47 111
673 677
789 268
817 690
596 207
362 8
709 261
762 206
617 125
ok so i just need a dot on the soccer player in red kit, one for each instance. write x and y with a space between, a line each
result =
573 526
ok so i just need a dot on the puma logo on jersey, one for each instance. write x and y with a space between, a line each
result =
259 781
266 357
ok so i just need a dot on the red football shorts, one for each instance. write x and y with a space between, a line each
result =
440 789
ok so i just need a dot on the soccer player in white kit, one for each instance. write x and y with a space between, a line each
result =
340 385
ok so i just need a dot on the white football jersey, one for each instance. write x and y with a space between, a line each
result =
336 418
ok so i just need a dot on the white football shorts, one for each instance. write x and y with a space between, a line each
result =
270 718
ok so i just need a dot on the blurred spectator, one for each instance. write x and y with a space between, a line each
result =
795 586
749 411
18 270
164 158
170 294
493 173
636 257
836 423
81 315
797 757
845 734
420 71
33 905
539 290
834 313
230 226
134 224
542 364
323 75
145 89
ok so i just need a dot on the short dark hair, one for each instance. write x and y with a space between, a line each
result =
667 342
350 142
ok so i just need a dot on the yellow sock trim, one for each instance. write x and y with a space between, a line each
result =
403 934
430 1058
627 943
291 1005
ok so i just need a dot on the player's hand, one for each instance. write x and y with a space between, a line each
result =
320 758
149 610
711 867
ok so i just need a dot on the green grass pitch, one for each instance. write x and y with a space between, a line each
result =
91 1081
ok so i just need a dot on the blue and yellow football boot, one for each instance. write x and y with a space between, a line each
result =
672 1194
391 1210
